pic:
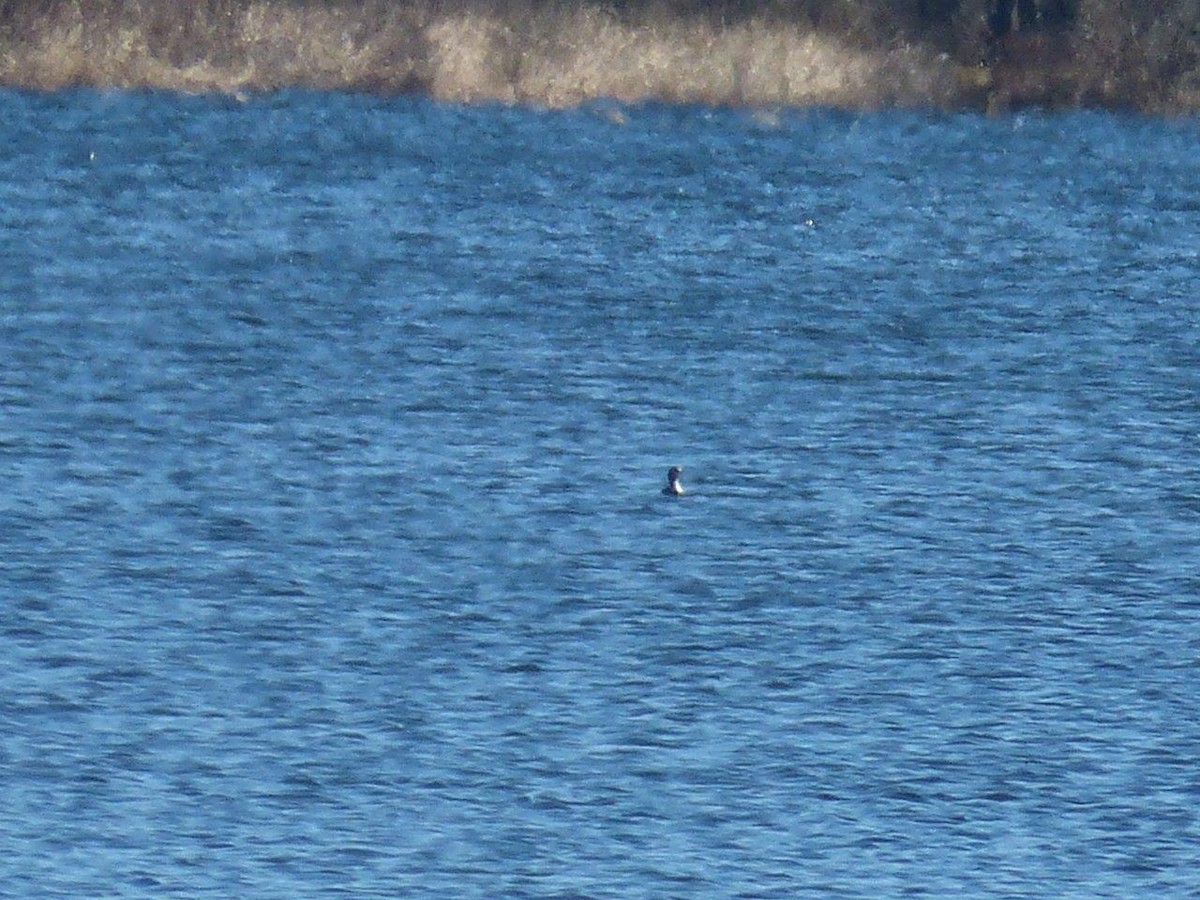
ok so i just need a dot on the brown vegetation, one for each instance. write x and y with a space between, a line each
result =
562 52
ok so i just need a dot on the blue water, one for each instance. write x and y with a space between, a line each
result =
332 551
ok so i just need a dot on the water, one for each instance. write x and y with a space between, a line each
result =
333 556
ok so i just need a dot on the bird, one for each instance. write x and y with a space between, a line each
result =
673 488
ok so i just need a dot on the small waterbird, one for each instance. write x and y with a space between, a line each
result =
673 488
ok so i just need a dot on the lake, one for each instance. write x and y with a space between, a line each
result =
333 554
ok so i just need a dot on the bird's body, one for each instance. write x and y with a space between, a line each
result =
673 488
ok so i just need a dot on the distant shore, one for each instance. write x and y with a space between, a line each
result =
567 52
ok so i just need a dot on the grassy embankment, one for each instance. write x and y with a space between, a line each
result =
563 52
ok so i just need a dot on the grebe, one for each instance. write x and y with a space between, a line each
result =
673 488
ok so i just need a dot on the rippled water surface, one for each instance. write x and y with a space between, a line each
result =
332 551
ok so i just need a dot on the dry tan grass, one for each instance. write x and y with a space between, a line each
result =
554 56
565 57
566 53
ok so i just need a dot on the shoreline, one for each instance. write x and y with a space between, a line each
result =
566 54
